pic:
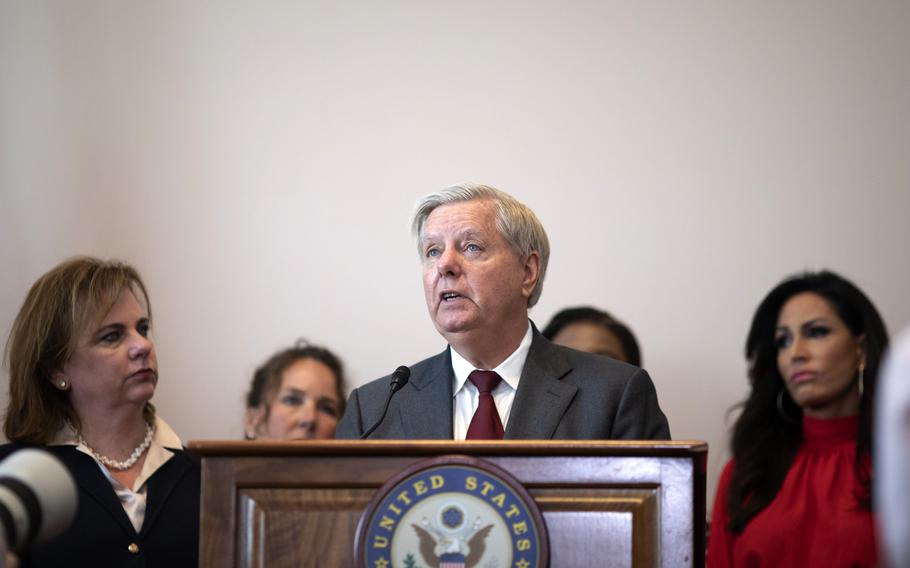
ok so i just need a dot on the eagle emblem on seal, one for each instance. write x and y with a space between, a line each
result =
449 541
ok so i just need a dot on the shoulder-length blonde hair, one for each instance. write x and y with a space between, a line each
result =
58 308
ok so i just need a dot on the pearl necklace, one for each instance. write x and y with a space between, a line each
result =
112 463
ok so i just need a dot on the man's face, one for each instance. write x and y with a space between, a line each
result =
473 278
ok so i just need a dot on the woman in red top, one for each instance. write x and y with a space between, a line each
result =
797 491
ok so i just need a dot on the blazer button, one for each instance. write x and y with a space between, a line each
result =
133 548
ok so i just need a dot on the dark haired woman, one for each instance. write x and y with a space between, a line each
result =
797 491
83 370
297 394
594 331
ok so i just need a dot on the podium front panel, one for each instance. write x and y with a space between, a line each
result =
604 503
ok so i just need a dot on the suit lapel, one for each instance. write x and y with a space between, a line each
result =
542 396
96 486
161 484
425 404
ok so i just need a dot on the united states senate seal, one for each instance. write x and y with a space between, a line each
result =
452 512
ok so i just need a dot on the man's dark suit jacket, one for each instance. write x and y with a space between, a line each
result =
101 533
563 394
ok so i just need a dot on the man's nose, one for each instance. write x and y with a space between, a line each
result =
449 263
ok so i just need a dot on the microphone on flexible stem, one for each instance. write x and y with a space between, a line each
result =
399 379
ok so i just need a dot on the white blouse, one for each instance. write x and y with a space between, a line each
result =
133 499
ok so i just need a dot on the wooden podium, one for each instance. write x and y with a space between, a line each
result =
605 503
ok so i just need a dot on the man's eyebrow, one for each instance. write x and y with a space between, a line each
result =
465 234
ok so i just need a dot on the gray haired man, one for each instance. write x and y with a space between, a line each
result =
484 257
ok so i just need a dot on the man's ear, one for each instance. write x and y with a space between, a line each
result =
531 273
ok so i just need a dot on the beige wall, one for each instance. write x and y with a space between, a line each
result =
258 162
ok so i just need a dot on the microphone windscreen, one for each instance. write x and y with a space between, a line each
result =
52 487
400 377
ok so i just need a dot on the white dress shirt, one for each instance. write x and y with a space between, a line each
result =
133 499
467 396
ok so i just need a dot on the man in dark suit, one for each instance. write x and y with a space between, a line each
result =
484 257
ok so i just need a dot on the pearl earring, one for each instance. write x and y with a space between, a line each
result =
63 383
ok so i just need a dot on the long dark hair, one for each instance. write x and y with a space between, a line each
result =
764 442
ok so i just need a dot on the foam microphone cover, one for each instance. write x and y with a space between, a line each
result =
30 477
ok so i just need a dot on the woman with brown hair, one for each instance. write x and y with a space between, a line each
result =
83 370
298 394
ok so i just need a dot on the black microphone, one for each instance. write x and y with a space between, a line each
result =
37 499
399 379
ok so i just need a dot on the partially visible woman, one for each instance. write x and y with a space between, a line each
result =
797 491
892 456
83 370
595 331
298 394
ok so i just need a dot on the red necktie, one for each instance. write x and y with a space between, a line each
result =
485 425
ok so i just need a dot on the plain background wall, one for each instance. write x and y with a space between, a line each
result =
258 162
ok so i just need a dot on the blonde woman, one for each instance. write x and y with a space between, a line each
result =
83 370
